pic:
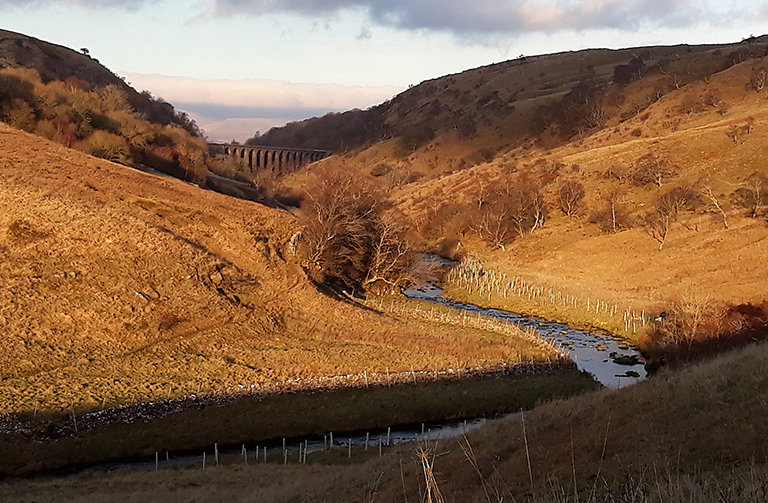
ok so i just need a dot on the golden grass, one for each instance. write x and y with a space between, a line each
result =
121 286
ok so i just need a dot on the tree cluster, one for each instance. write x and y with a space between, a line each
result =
349 239
501 211
101 122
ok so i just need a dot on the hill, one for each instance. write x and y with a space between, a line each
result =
121 286
57 63
500 106
643 188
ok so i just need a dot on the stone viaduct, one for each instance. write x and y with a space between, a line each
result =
278 159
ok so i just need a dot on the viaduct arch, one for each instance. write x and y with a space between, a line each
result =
279 159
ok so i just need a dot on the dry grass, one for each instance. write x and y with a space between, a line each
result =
122 286
626 270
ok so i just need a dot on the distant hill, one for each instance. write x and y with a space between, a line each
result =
500 105
56 62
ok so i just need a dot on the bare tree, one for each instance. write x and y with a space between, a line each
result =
759 79
595 116
613 218
338 227
651 168
392 252
571 197
528 207
709 195
737 131
494 222
756 185
658 222
677 81
712 97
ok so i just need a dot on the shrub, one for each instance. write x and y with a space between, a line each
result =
381 169
107 146
19 114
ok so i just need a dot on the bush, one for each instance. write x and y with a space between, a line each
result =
381 169
107 146
19 114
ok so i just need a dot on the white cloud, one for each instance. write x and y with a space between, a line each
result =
217 130
268 94
489 16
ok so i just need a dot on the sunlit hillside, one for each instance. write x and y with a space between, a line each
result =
120 286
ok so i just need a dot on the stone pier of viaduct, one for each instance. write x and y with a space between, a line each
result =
278 159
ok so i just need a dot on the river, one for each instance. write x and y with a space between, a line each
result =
610 360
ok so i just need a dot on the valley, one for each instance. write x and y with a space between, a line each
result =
163 298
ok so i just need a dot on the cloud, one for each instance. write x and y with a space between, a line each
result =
274 95
235 129
228 109
488 16
130 5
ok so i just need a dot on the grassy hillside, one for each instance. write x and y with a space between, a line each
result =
670 189
122 286
702 263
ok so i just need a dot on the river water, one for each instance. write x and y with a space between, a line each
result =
611 361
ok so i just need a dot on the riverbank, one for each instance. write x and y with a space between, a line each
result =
473 282
250 419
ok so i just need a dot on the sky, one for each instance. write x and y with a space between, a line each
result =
242 66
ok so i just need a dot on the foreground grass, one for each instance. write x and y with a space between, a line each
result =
692 435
